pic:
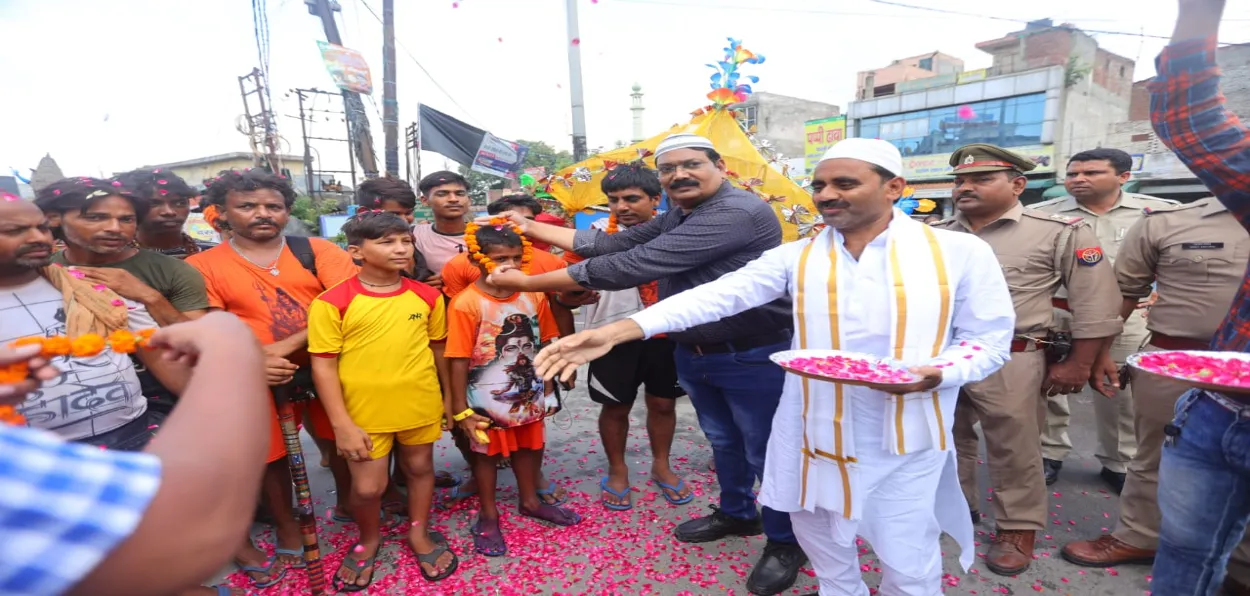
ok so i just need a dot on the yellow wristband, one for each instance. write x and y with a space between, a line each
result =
461 416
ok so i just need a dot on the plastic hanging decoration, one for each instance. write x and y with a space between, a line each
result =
905 203
726 89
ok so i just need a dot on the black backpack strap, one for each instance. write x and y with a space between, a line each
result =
301 246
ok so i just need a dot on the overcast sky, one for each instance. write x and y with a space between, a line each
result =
109 85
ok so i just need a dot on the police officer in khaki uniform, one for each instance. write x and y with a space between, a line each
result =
1038 252
1094 181
1196 254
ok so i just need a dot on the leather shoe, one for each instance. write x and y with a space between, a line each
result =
1051 468
1115 479
1011 553
1105 551
717 526
777 569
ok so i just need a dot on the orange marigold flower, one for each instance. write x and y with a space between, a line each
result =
9 415
86 345
14 373
55 346
122 341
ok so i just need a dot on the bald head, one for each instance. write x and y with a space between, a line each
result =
25 239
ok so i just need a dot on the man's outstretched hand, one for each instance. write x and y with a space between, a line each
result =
561 358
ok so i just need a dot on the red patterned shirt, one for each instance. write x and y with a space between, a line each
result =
1189 115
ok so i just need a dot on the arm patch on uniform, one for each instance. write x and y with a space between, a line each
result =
1089 256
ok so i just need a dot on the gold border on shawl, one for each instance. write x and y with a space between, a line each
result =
939 265
900 337
839 402
801 314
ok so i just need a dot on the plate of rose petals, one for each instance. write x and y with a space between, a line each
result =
1217 371
848 368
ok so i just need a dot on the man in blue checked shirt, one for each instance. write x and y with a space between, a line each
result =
81 520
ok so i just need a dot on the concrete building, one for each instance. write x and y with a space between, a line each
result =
779 119
871 83
196 171
1050 92
1156 170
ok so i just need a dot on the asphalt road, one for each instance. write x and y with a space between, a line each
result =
633 552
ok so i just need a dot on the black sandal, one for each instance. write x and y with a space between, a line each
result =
370 564
431 558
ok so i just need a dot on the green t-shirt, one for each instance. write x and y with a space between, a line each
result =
177 281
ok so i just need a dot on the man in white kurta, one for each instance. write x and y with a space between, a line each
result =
847 460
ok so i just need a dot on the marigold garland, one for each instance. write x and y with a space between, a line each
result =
475 249
84 346
613 227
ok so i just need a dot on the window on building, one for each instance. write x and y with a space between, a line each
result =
1121 71
749 114
1006 122
926 63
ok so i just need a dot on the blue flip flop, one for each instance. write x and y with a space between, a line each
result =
265 569
291 552
626 495
550 491
454 496
681 484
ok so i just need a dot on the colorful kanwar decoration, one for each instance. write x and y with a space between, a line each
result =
726 88
848 368
747 162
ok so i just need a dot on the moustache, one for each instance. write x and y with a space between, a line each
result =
831 205
263 222
684 183
29 248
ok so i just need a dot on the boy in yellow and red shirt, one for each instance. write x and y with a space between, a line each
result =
377 341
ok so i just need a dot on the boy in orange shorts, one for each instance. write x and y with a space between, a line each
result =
377 345
501 403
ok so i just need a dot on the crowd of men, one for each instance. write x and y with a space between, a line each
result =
1001 311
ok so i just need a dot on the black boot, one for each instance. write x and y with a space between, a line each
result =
777 569
1051 468
1115 479
717 526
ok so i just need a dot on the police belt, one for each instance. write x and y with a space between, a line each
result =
1168 342
1029 344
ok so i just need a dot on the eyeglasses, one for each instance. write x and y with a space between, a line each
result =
669 169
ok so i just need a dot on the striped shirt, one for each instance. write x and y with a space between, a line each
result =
685 250
1189 115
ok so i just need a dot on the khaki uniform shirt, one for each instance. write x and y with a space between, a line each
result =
1110 227
1026 242
1196 254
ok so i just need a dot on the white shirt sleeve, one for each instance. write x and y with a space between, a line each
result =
757 283
983 323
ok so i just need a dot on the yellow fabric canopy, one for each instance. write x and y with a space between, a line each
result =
577 186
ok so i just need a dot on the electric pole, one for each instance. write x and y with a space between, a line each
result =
357 120
390 105
262 128
575 83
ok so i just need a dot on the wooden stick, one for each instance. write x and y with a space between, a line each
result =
303 494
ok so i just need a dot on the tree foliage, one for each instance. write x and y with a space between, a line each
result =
540 155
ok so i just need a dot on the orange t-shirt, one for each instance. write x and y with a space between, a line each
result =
499 338
274 306
460 273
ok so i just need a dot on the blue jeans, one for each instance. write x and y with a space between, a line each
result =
1204 495
735 396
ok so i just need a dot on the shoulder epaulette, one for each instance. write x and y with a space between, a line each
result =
1176 207
1069 220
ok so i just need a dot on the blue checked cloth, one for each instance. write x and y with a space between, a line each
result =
64 507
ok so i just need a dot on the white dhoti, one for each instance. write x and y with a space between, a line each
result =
845 460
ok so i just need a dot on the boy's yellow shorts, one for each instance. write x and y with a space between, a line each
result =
422 435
